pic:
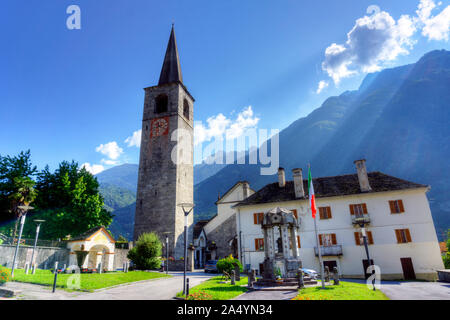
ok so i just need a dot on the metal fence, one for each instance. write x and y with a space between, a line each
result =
30 242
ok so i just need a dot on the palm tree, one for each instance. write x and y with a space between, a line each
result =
24 194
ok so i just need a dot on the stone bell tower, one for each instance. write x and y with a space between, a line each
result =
166 156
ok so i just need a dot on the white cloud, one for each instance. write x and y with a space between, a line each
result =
110 149
322 85
373 40
219 125
378 39
94 168
434 27
134 139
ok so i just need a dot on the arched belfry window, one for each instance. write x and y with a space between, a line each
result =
161 103
186 109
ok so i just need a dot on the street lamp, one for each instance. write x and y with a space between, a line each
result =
187 208
22 222
38 227
361 223
167 251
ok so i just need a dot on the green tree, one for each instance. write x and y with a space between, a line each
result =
11 169
23 195
147 252
69 201
226 265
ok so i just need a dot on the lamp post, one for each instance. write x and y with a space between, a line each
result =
366 247
167 251
22 222
38 227
187 208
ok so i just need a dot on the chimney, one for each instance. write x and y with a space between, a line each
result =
281 178
245 187
298 183
362 175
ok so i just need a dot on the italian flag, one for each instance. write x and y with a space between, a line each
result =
312 199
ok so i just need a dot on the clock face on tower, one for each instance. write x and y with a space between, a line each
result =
159 127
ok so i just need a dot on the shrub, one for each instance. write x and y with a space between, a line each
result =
226 265
199 295
146 254
5 275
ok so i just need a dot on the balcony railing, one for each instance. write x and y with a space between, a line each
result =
334 250
360 218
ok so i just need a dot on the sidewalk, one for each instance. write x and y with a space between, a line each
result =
154 289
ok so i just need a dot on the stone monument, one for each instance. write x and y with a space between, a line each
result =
280 229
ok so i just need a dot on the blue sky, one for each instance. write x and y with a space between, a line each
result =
71 94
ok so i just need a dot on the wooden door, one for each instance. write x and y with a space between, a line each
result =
408 269
330 265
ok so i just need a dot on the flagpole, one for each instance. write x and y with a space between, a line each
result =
315 230
319 254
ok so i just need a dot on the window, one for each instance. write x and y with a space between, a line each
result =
396 206
327 240
325 213
403 235
259 244
258 217
186 109
359 238
358 209
161 103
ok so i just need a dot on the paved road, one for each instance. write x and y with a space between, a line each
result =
414 290
158 289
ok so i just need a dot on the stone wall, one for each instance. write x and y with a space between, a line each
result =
45 257
120 257
222 235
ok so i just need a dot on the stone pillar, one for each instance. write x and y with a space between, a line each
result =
97 259
190 264
237 273
109 266
285 242
294 234
274 239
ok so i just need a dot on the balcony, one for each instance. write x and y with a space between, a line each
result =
334 250
358 219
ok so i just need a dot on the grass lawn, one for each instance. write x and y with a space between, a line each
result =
217 290
88 281
344 291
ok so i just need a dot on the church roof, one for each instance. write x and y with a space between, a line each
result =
89 233
198 227
329 187
171 69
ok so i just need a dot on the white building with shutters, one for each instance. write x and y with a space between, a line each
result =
400 230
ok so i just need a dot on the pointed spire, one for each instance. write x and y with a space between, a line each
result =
171 69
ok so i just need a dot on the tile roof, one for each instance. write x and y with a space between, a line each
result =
330 187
